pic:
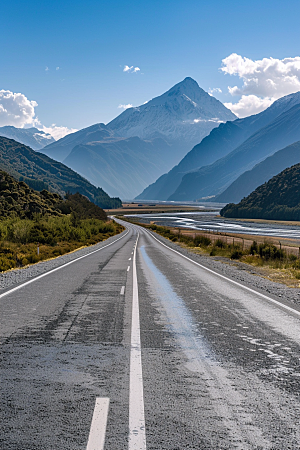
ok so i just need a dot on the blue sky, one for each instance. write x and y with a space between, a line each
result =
85 46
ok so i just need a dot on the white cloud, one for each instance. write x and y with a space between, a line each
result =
268 77
248 105
57 68
129 105
16 109
131 69
56 131
214 91
47 69
263 81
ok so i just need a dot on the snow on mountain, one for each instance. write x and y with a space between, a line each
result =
34 138
183 115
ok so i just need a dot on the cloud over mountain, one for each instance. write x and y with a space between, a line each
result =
263 81
17 110
129 105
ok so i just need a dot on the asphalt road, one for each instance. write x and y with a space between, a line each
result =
138 347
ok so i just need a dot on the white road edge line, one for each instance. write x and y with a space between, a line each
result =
122 290
58 268
98 426
282 305
137 432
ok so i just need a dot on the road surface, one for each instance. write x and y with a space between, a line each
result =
138 347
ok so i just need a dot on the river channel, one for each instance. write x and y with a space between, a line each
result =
211 221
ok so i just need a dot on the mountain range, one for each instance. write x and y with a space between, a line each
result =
142 143
41 172
261 173
34 138
228 151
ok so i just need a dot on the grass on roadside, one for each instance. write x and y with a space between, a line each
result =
55 236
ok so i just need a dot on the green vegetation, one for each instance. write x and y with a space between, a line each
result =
41 172
32 220
19 238
278 199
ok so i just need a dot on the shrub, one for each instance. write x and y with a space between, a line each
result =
236 254
7 262
270 251
220 244
202 241
253 248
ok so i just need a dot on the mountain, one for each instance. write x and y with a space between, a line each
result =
60 149
124 166
28 165
34 138
215 178
220 142
183 116
262 172
142 143
278 199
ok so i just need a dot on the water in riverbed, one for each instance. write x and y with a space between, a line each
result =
211 221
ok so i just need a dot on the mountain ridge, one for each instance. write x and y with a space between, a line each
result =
34 138
261 173
220 142
215 178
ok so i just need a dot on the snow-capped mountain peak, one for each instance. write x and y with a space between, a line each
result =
183 114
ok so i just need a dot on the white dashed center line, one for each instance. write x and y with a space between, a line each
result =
98 426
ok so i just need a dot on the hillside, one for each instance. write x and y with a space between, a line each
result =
278 199
124 166
34 138
213 179
21 161
60 149
17 199
262 172
220 142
